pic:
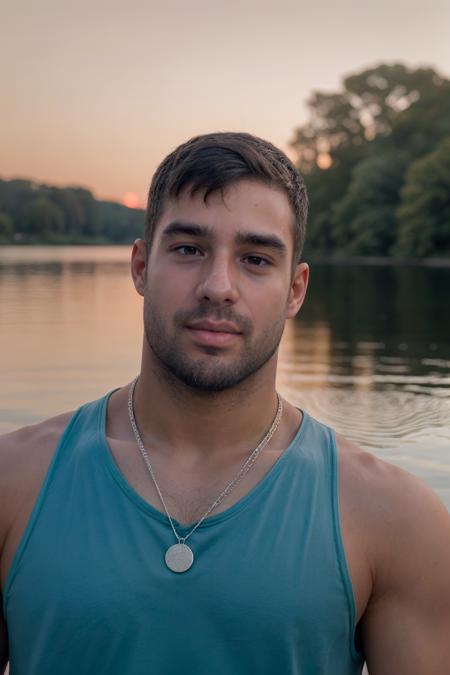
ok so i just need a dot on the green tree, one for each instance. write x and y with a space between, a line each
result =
119 223
15 196
381 94
75 216
91 216
367 107
6 226
364 219
324 188
47 214
381 120
43 218
424 213
419 128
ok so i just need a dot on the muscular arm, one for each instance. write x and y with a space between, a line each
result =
406 627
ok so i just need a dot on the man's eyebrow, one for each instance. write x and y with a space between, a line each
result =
264 240
190 229
259 239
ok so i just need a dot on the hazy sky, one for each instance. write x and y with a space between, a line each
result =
97 93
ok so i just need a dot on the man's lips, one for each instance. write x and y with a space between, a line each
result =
214 326
213 333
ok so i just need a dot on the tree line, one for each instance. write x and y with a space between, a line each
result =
376 160
375 156
32 213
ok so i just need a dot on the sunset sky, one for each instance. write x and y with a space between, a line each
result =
97 93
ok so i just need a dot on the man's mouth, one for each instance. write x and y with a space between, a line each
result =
214 333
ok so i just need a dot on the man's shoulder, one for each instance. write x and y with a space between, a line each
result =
401 520
381 488
29 440
25 455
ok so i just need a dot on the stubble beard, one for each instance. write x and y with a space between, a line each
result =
208 373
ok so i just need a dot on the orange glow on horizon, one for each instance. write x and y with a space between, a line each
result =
131 200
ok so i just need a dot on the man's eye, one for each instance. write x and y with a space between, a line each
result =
257 261
188 250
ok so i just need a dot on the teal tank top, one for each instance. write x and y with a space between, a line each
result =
269 593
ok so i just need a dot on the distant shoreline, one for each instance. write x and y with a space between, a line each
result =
379 260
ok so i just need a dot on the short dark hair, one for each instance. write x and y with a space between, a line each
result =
214 161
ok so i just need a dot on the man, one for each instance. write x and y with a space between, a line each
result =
193 521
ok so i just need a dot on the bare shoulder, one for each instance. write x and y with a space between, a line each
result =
403 523
384 492
27 443
25 455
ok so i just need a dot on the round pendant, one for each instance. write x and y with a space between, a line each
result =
179 558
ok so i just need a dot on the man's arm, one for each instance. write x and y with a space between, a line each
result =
406 627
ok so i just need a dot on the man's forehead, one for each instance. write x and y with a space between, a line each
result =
246 187
245 204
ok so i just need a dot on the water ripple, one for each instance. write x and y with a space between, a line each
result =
377 419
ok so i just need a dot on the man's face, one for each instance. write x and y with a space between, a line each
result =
219 284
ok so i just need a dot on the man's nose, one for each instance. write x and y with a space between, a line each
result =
218 282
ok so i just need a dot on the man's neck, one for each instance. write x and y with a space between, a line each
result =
199 423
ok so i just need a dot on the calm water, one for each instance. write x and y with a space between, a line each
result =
369 353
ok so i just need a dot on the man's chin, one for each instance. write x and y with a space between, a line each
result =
201 376
201 380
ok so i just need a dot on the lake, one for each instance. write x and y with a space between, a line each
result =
369 353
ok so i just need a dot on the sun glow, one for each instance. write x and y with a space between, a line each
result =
131 200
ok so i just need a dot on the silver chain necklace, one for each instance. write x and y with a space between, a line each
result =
179 557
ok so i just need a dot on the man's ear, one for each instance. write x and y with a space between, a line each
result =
297 292
139 265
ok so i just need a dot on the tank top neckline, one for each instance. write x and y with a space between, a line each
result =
149 509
